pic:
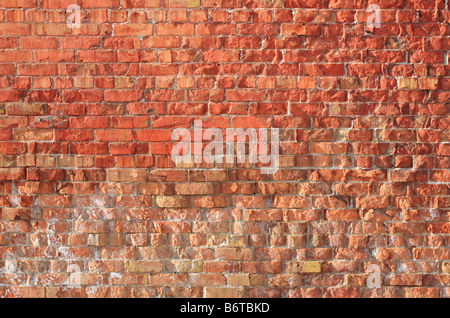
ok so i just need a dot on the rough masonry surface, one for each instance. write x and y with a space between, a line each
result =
92 204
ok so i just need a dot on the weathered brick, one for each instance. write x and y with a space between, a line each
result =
143 266
303 267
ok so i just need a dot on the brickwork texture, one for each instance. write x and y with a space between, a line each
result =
93 205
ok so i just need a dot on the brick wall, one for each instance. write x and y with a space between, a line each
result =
93 205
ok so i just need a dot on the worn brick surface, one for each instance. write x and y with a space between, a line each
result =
87 182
